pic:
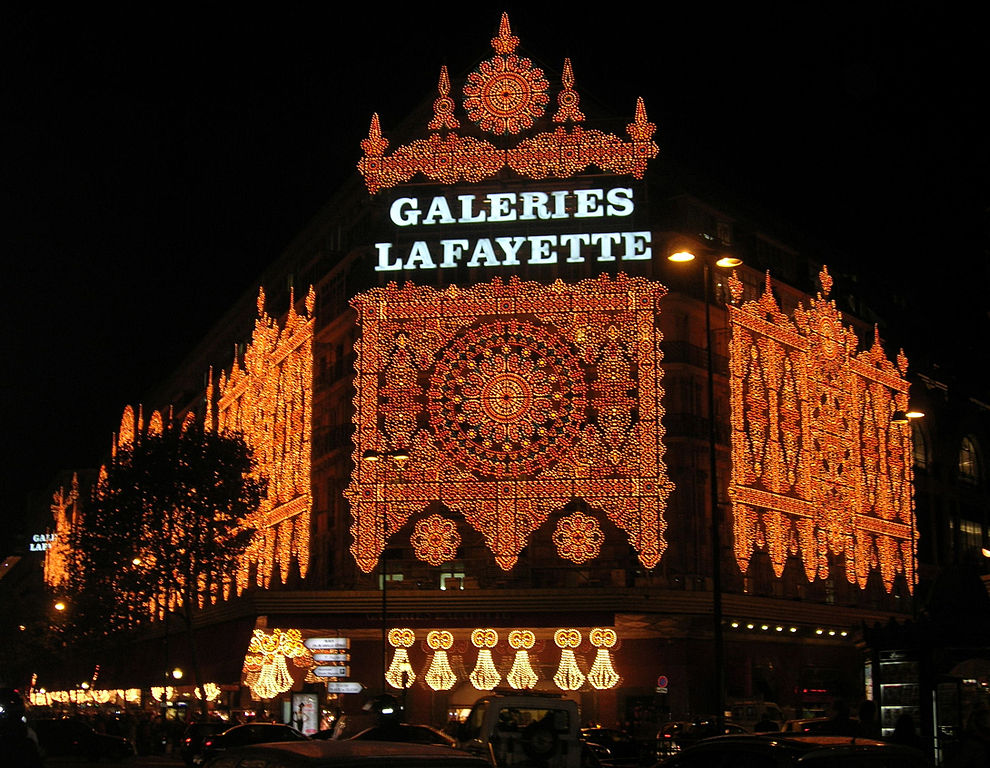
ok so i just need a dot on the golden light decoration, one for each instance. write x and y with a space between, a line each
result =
440 676
265 670
602 674
162 693
268 397
511 400
578 537
818 469
435 539
568 676
400 672
522 676
65 513
504 96
212 690
484 676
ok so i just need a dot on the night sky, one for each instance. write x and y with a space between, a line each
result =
155 160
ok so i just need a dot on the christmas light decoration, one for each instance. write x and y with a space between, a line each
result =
268 398
212 691
510 399
504 96
65 513
400 672
578 538
435 539
568 676
265 670
818 469
521 676
602 674
162 693
484 676
440 676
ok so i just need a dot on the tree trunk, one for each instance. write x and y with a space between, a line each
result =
194 657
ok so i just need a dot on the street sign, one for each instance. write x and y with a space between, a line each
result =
344 687
327 643
332 657
327 671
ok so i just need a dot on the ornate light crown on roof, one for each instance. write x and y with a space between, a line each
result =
505 95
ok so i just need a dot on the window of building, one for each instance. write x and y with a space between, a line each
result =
968 461
919 439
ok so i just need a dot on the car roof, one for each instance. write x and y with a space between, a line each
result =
347 753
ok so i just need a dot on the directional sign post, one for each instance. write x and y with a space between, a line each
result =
327 643
332 657
344 687
328 671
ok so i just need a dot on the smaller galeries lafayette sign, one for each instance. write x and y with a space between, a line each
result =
609 207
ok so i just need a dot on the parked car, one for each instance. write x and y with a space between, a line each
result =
679 734
824 726
780 751
615 749
74 738
196 733
407 733
241 735
346 753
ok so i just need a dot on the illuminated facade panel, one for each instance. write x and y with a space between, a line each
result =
58 556
818 469
506 402
268 397
504 96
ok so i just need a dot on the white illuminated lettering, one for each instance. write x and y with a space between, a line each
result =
637 246
559 204
589 203
419 257
502 206
511 246
620 202
405 218
385 264
541 253
605 240
452 252
467 210
484 254
534 206
575 242
439 212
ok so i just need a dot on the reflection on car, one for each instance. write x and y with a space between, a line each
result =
346 753
406 732
249 733
196 733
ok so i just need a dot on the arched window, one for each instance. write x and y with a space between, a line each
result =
969 469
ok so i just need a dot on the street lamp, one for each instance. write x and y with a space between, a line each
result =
724 262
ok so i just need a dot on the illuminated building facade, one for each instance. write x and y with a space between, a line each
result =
482 417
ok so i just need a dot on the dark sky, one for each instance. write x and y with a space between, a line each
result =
154 160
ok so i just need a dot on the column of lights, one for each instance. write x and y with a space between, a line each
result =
568 676
484 676
400 672
521 676
440 676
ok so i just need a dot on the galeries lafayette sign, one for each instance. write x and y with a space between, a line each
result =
611 207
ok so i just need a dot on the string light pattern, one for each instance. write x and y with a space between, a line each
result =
818 469
400 672
510 400
265 670
522 676
440 676
65 513
578 538
484 676
602 674
435 539
568 676
267 396
505 95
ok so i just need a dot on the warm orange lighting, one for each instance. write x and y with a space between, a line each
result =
817 470
484 676
505 95
728 262
267 396
681 256
59 606
66 514
265 671
512 399
914 414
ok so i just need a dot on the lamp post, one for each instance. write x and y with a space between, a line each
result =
726 262
397 457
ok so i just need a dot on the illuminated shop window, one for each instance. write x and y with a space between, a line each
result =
970 534
969 468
